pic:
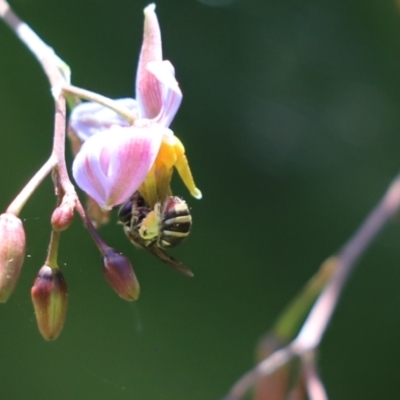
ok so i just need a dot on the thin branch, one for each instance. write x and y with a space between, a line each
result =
58 74
17 204
293 316
52 252
317 321
52 65
100 99
92 230
320 315
314 385
265 367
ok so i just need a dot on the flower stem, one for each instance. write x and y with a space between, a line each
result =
92 230
58 74
290 320
314 385
320 315
52 253
56 70
98 98
17 204
264 368
317 321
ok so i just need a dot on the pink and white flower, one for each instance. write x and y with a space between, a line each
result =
116 158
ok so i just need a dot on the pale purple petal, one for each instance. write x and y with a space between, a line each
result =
148 96
90 118
157 91
111 165
148 93
171 94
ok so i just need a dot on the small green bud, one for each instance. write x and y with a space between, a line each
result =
119 274
50 299
12 251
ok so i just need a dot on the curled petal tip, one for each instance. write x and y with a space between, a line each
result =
150 8
196 193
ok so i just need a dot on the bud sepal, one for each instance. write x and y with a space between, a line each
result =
50 299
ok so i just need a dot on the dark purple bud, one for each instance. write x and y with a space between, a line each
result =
50 299
119 274
12 251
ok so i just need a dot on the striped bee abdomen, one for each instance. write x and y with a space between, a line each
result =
176 222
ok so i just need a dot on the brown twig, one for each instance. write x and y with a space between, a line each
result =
318 319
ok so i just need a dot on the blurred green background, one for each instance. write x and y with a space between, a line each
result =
291 125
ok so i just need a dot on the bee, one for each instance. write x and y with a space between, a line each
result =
157 229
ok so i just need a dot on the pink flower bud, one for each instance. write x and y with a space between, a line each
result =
111 165
12 250
64 214
119 274
50 299
62 217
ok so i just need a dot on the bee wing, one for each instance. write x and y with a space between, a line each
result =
172 262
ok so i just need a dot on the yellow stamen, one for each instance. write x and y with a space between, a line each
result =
157 184
173 150
184 172
148 189
163 179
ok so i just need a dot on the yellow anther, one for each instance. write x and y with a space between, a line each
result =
148 189
157 184
183 169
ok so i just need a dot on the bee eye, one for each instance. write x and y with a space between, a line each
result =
125 212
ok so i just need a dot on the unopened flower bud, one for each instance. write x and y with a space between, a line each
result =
50 298
119 274
62 216
12 250
64 213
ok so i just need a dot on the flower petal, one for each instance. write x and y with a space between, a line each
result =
171 95
148 94
111 165
157 91
90 118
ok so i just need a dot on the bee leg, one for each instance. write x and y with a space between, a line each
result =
172 262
